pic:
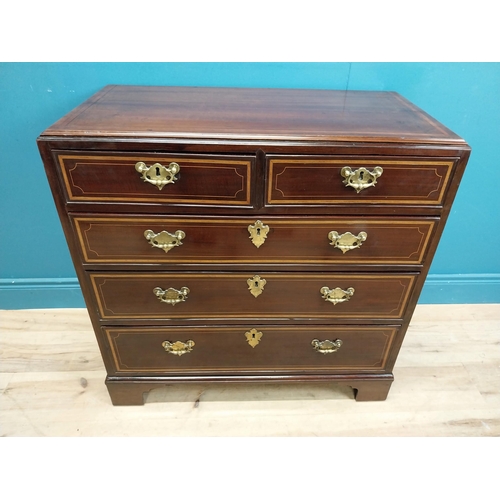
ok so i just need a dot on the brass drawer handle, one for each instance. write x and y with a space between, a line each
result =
336 295
164 240
171 295
361 178
346 241
258 233
157 174
178 348
253 337
326 346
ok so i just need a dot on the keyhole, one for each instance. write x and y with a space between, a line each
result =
258 231
256 284
361 175
157 171
253 335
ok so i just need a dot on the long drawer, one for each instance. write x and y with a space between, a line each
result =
253 348
302 180
286 240
245 295
152 178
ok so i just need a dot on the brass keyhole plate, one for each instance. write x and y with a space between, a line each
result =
256 285
253 337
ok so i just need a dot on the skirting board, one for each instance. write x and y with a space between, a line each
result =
40 293
48 293
461 289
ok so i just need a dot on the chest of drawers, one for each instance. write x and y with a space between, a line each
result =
250 235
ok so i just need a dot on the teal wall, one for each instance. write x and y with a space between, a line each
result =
35 266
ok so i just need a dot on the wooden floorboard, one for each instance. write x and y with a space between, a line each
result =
447 383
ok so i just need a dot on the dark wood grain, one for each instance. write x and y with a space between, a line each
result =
215 241
202 180
132 390
219 296
284 114
318 181
248 154
224 349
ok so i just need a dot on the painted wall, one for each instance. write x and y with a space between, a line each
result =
35 266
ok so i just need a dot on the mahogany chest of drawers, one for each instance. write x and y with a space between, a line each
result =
250 235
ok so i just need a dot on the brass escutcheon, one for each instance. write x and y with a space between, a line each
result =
258 233
360 178
157 174
256 285
346 241
326 346
171 295
253 337
336 295
164 240
178 348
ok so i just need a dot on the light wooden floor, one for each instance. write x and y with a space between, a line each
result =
447 383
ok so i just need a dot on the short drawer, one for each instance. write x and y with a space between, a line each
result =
251 349
152 178
295 180
213 241
238 296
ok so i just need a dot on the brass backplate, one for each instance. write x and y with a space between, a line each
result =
326 346
157 174
346 241
336 295
361 178
171 295
253 337
164 240
256 285
258 233
178 348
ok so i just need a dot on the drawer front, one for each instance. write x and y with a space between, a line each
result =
201 180
330 181
290 240
219 296
249 349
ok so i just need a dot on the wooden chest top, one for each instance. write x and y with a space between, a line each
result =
252 114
